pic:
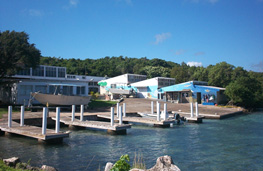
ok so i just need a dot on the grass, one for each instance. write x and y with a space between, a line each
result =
4 167
94 104
5 111
138 161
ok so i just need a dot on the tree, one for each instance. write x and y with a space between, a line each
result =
16 53
245 91
220 75
158 71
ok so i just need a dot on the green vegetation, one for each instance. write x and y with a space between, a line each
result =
3 167
122 165
222 74
16 53
94 104
5 111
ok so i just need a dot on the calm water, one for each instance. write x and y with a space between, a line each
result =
230 144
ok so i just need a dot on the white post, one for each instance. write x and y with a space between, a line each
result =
152 107
118 105
165 111
120 115
73 113
22 116
158 111
44 121
196 109
124 110
81 112
112 116
192 109
9 116
57 119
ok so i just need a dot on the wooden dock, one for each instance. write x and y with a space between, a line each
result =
33 132
116 129
162 123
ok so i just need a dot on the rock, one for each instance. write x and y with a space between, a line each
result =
108 166
134 169
164 163
48 168
11 161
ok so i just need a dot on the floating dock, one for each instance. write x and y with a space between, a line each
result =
33 132
162 123
118 129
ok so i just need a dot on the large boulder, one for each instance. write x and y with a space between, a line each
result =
11 161
164 163
108 166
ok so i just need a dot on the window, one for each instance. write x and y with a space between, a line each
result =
113 85
61 72
81 90
93 89
41 88
51 72
25 89
39 71
24 72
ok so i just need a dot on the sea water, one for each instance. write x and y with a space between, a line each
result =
230 144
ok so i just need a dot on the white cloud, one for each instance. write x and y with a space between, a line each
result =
209 1
159 38
35 13
199 53
197 64
128 2
258 67
180 52
73 2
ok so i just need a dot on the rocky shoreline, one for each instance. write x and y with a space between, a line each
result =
17 164
163 163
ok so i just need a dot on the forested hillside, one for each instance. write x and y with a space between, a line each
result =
243 87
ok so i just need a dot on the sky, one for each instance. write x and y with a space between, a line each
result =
197 32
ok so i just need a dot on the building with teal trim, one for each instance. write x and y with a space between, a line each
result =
194 90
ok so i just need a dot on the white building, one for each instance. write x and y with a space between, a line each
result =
144 88
43 79
150 88
120 82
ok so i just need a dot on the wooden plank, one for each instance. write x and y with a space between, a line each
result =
93 124
141 120
32 131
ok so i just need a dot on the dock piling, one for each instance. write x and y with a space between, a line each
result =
124 110
112 116
158 111
22 116
81 112
152 107
196 109
44 121
192 110
73 112
57 119
118 105
165 111
9 116
120 115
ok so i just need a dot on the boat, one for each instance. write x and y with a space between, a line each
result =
61 100
58 98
